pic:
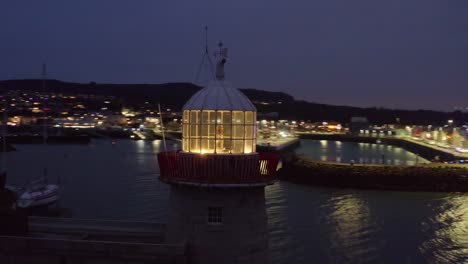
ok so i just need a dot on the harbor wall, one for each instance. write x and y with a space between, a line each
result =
83 241
21 139
14 249
401 178
424 151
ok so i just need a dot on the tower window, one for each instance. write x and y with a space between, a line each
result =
215 215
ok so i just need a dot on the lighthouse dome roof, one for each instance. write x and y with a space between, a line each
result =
219 95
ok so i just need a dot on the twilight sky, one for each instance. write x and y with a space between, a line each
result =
391 53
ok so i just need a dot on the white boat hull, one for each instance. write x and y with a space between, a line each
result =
41 202
45 196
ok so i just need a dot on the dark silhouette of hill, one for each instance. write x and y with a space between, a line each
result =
174 95
169 94
316 112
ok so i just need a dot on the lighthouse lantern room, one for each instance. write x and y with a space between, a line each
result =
217 179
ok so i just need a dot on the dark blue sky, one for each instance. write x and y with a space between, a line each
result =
397 54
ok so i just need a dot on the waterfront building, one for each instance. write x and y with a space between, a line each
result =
217 199
358 124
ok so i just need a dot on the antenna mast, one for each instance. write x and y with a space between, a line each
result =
206 39
205 61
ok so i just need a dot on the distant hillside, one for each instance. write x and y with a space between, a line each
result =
174 95
170 94
316 112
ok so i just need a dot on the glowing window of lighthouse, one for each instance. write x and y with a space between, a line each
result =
219 131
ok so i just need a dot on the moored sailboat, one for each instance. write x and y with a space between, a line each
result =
38 192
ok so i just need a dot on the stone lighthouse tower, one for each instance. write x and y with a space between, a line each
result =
217 200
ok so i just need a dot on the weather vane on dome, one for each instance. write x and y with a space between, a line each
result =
221 56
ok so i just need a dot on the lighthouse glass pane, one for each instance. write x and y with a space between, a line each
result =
255 126
249 147
226 117
186 116
204 131
249 132
212 117
238 117
223 146
238 132
211 131
223 138
205 117
227 131
207 146
219 117
212 145
185 130
249 117
194 117
237 146
194 130
185 144
194 145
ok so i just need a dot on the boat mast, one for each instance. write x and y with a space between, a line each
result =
44 106
44 109
162 127
4 133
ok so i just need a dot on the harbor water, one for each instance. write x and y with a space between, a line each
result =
307 224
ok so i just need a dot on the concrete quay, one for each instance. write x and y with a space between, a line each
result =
83 241
277 145
427 151
449 151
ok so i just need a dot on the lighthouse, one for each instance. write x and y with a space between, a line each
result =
217 179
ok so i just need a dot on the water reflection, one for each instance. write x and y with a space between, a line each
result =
449 225
364 153
350 237
279 228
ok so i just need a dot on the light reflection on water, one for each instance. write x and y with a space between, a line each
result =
352 221
450 226
364 153
307 224
324 225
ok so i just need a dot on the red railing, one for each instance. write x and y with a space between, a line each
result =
217 169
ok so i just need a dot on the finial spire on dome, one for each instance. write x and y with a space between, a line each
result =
221 56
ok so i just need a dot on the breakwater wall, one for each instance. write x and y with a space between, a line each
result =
421 150
50 139
402 178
